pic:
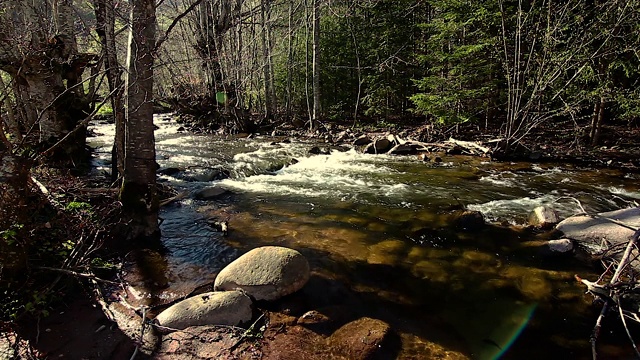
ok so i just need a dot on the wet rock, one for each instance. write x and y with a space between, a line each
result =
169 171
342 136
296 342
545 248
205 342
213 308
131 324
266 273
379 146
468 220
360 339
209 193
362 140
311 318
436 159
560 246
206 176
403 149
316 150
543 217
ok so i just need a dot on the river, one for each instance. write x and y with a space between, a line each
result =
376 230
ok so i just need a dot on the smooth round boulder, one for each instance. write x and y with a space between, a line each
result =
212 308
265 273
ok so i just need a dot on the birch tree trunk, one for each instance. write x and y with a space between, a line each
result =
138 193
316 64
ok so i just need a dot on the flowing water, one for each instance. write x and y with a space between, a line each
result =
377 232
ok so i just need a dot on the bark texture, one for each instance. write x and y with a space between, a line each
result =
139 194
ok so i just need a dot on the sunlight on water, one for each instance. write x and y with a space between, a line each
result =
379 230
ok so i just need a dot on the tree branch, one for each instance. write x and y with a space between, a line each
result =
174 23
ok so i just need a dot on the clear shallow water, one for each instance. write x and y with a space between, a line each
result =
378 235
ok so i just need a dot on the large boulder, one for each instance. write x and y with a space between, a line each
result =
213 308
379 146
265 273
596 234
591 231
360 339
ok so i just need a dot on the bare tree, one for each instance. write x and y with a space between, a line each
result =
316 64
138 193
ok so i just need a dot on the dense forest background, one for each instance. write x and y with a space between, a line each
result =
514 65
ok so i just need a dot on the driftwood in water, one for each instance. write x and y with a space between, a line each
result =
451 146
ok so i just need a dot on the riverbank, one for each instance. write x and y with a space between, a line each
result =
416 259
560 142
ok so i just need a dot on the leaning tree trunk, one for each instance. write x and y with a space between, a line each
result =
138 193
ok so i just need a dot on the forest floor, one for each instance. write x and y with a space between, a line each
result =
76 327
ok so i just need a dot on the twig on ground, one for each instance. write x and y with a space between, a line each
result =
78 274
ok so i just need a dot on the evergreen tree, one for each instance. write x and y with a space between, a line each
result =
459 57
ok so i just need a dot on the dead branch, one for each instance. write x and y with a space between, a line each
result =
469 145
606 293
78 274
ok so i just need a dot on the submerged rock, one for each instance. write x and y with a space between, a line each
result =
468 220
265 273
360 339
205 342
213 308
210 193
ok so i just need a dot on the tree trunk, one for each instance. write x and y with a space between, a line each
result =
597 119
138 193
289 90
44 68
105 27
269 97
13 127
316 64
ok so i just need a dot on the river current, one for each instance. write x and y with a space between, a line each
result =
376 230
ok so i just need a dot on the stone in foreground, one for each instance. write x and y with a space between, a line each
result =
213 308
361 339
265 273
